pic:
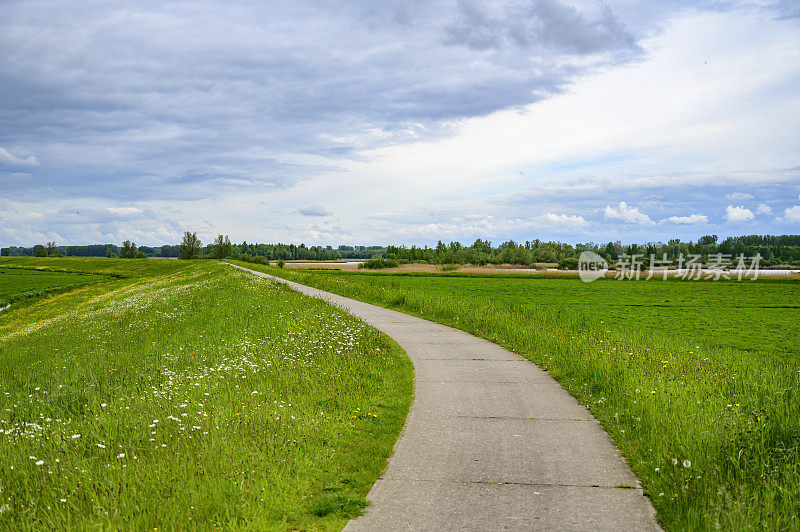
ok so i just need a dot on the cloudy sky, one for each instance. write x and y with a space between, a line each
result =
404 121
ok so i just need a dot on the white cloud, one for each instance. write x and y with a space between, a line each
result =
606 114
123 211
9 158
691 219
88 221
627 214
314 210
495 228
564 221
792 214
16 177
738 196
738 214
763 208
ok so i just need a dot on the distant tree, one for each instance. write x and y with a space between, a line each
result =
51 249
40 251
169 251
221 248
280 263
570 263
707 240
110 253
482 245
547 255
128 250
141 255
191 247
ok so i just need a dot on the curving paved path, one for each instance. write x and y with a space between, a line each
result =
491 442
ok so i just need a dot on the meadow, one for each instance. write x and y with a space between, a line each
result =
21 283
187 394
697 382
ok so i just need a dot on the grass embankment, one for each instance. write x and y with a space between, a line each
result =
698 383
190 394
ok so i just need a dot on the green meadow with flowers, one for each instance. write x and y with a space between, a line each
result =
186 394
697 382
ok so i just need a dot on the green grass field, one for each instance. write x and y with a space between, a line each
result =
698 383
22 283
183 394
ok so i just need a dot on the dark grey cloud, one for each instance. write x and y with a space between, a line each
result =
547 25
175 99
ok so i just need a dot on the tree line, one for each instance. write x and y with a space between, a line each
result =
92 250
783 249
774 249
192 247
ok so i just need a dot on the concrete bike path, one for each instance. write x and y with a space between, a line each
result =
491 442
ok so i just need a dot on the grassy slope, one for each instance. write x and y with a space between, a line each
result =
702 372
22 283
275 411
119 268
